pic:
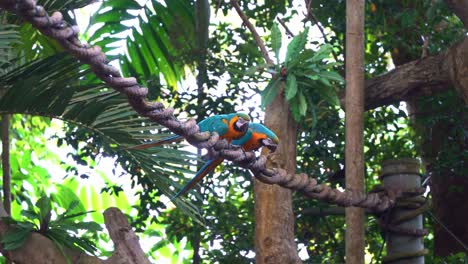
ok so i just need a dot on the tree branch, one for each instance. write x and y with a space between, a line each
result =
317 22
127 246
254 32
427 76
288 31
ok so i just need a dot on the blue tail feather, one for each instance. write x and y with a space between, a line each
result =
206 169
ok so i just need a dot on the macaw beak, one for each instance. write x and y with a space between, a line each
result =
241 125
267 142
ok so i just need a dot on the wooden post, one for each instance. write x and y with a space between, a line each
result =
354 125
403 174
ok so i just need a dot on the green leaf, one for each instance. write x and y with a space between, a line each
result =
121 4
26 225
301 58
69 216
30 214
160 244
68 199
322 53
314 114
328 94
254 69
113 15
85 244
73 204
59 241
294 106
407 18
276 40
44 207
269 94
325 81
291 86
15 238
9 35
331 75
302 104
89 226
159 43
296 45
165 252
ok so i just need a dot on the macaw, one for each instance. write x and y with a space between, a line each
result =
228 126
256 137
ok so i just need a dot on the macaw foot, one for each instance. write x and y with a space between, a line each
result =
244 154
221 144
233 146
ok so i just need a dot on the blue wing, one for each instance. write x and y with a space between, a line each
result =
215 124
241 141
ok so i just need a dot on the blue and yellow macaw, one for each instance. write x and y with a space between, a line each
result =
228 126
256 137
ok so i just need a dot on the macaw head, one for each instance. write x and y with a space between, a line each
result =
266 137
240 122
258 136
270 143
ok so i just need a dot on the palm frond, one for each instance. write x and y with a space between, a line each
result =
9 36
33 43
65 4
59 87
159 44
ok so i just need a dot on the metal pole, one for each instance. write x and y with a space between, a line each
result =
403 174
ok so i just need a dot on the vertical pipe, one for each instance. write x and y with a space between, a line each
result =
403 174
354 125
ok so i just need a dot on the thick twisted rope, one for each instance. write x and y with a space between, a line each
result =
55 27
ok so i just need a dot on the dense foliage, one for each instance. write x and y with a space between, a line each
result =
38 83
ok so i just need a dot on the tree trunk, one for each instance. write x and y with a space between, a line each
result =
6 163
202 24
442 152
274 218
354 150
6 166
449 196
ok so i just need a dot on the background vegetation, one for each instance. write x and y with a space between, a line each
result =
68 131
